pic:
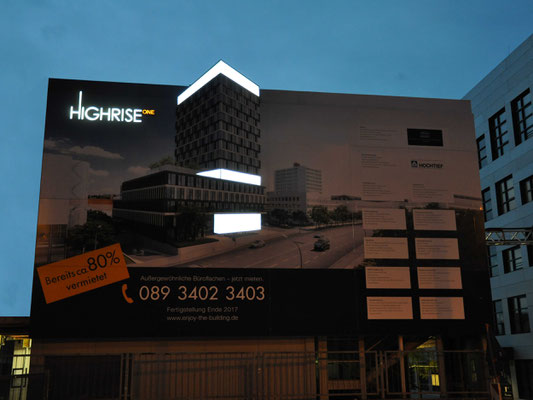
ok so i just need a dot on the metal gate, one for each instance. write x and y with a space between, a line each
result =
320 375
223 376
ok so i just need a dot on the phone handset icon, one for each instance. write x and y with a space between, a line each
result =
124 294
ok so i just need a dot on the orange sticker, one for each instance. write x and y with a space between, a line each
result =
82 273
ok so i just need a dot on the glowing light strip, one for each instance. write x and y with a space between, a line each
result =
234 176
220 68
232 223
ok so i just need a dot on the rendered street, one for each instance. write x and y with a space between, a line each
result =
346 251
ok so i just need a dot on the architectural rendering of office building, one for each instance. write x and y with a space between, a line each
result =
217 157
503 112
63 204
156 201
298 178
218 127
295 188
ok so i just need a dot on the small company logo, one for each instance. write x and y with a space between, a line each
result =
109 114
426 164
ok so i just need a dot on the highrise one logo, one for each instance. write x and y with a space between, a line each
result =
110 114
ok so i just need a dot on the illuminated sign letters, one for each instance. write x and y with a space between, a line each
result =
110 114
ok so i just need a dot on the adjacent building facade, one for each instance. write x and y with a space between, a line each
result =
503 112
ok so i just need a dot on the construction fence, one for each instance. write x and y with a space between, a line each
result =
420 374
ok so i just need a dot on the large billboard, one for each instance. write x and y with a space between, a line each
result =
244 213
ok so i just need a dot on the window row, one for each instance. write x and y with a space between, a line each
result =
164 178
518 315
187 151
283 198
190 194
197 141
156 216
221 158
512 259
522 116
505 196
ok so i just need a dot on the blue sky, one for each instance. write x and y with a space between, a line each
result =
421 48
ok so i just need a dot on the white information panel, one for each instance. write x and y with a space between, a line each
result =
382 136
377 168
438 220
427 189
383 218
439 278
384 247
387 278
437 248
389 307
442 308
420 177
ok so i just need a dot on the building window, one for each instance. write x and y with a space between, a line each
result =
526 190
487 204
522 117
493 261
499 325
482 151
505 195
518 314
498 134
512 259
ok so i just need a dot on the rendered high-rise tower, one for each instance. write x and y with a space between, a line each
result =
218 122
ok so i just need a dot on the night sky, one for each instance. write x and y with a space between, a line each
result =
410 48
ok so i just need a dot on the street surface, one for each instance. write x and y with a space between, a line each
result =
296 251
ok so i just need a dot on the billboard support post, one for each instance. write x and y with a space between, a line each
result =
362 366
402 365
442 367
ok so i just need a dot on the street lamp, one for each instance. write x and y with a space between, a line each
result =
297 244
96 235
299 251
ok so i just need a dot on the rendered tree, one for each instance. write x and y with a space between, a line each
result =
320 215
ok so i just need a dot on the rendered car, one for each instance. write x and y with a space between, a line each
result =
321 245
257 244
